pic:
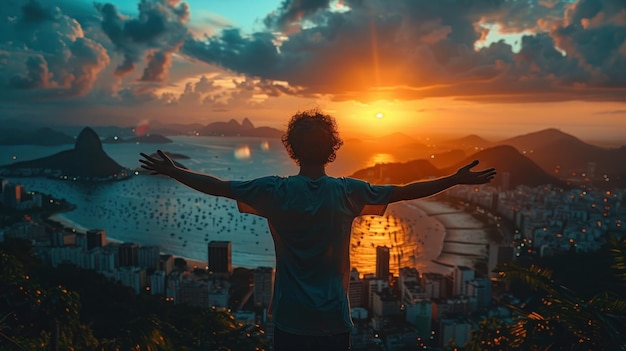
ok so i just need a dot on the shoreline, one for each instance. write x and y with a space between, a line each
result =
437 221
68 223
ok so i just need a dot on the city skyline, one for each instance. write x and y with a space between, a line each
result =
492 68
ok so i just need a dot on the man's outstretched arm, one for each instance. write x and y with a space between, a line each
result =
205 183
421 189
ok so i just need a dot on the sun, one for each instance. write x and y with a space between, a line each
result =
379 115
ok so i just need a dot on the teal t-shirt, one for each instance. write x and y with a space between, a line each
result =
310 221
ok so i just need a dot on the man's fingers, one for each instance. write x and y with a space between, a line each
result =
471 165
147 157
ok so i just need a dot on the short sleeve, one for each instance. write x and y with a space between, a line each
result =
368 199
253 196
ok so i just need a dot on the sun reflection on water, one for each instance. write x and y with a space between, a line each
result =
379 158
368 232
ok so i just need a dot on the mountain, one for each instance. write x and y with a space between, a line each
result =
506 159
554 150
86 160
233 128
539 139
41 136
470 142
398 173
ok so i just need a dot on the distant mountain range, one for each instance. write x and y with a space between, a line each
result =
556 153
563 154
157 133
86 160
233 128
506 159
42 136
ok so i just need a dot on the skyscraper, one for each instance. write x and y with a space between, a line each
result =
382 262
220 255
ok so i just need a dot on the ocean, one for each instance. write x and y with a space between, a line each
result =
154 210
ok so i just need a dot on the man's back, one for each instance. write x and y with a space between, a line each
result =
311 220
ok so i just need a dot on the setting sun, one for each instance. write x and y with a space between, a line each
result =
379 115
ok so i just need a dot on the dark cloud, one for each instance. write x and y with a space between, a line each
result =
47 52
291 12
158 30
37 74
158 64
370 49
426 48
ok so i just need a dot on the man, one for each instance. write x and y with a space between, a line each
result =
310 217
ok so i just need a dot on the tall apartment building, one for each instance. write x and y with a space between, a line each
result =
462 275
382 262
220 258
128 255
263 279
149 256
355 289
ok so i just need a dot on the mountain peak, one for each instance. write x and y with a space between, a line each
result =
88 140
246 124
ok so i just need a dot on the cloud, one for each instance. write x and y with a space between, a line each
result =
366 50
417 48
158 30
47 53
37 76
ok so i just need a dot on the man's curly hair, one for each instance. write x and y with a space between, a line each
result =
312 137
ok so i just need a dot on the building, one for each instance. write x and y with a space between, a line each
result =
453 329
382 262
128 255
157 283
133 277
480 288
96 238
499 254
149 257
263 280
166 263
461 277
373 286
385 304
193 293
12 195
420 314
220 256
218 293
356 295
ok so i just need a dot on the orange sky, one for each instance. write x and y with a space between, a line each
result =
492 68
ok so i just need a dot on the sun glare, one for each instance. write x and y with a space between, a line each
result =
379 115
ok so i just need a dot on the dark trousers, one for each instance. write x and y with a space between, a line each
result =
284 341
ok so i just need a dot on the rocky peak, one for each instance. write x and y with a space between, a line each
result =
246 124
88 140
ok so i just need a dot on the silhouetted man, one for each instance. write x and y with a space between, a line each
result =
310 217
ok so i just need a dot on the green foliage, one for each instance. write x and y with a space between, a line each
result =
559 318
72 309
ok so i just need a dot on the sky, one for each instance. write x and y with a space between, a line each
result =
494 68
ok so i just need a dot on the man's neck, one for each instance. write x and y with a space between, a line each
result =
313 171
